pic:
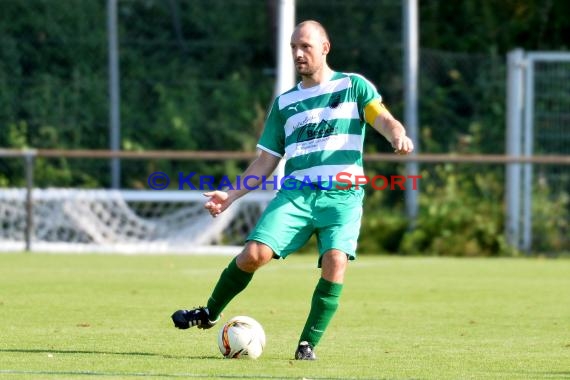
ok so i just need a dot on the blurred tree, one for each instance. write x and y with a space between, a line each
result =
494 26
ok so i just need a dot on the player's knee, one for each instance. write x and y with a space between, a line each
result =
335 258
254 256
334 263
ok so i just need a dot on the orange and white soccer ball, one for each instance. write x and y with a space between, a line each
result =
241 337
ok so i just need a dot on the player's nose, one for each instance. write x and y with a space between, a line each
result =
297 53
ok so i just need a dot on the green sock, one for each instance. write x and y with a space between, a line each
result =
232 281
323 306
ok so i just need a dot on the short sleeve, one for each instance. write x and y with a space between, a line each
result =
364 91
272 139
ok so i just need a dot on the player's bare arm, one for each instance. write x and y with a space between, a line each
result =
378 116
263 166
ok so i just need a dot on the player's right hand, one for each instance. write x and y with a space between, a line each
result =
218 202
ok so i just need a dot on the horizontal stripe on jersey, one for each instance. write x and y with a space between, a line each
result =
338 173
298 95
316 132
323 157
347 111
334 142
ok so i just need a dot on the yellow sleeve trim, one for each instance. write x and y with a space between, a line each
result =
372 110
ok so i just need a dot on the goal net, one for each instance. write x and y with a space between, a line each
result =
72 220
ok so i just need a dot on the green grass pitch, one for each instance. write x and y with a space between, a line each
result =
108 316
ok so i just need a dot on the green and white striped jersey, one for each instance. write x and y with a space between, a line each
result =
320 130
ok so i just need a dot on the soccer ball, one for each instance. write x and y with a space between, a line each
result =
241 337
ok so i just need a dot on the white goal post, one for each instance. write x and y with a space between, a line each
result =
538 84
124 221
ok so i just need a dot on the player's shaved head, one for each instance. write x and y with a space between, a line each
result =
310 46
313 25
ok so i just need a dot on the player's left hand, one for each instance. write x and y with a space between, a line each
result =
402 145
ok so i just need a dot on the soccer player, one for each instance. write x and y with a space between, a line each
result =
319 125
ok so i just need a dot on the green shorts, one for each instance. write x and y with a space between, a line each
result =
293 216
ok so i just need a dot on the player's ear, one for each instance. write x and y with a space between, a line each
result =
326 47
